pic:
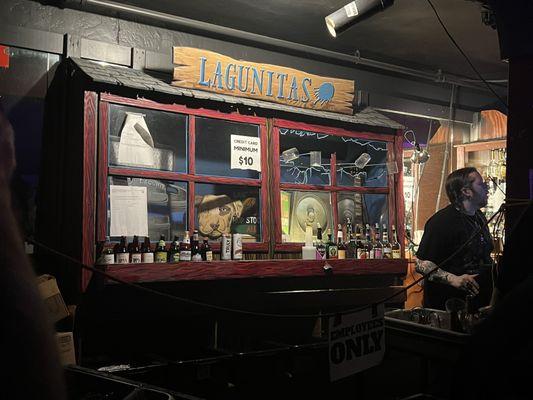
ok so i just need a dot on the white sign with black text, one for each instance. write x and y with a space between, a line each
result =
245 152
356 341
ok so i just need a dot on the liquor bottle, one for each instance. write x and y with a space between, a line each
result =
331 247
105 254
378 245
396 248
361 246
135 251
320 246
368 243
351 247
341 246
121 252
161 255
387 248
147 255
195 247
349 229
207 253
185 248
174 251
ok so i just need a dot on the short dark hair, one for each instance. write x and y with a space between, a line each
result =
456 181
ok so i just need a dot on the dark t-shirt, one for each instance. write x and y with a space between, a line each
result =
444 233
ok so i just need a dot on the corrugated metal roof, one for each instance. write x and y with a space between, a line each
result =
128 77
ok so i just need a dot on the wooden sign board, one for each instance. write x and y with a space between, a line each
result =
206 70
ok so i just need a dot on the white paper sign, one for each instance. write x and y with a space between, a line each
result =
129 210
408 192
356 342
136 145
245 152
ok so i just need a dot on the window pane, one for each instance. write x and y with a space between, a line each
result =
167 206
146 138
299 164
299 209
213 147
228 209
295 156
362 208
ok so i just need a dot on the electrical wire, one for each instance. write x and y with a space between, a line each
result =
466 57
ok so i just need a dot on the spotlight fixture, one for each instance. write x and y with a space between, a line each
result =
346 16
419 156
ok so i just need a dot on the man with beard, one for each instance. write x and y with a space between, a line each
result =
469 271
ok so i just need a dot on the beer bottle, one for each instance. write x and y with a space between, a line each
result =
195 247
185 248
387 248
147 255
135 251
121 252
207 253
174 251
331 247
320 246
105 253
161 255
341 246
396 248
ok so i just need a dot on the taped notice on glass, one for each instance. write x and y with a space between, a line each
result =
356 341
245 152
129 210
136 144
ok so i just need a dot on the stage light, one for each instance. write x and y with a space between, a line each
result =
346 16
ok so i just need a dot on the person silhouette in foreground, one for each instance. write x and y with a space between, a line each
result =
29 351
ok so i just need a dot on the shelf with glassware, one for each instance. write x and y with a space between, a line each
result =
489 158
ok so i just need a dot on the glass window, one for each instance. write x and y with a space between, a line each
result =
302 208
145 138
362 208
213 148
167 206
228 209
305 158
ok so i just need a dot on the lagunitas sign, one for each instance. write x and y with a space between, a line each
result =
213 72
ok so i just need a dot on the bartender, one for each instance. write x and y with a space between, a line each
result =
469 271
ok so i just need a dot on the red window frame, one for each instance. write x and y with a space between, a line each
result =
332 188
104 170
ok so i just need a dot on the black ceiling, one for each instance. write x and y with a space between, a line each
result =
407 33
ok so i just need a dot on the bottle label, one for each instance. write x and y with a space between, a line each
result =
122 258
161 257
147 257
237 246
209 255
332 252
185 255
136 258
378 254
197 257
371 254
225 252
396 253
321 254
342 254
361 254
175 257
387 252
108 258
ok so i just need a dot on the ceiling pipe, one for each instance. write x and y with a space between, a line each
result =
173 22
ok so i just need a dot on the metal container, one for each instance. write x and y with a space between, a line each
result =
237 246
225 248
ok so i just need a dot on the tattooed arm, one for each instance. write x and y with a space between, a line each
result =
464 282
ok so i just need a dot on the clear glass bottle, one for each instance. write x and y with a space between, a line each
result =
341 246
185 248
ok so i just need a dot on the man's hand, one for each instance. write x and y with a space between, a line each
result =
465 282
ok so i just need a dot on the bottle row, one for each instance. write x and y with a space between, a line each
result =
186 250
361 243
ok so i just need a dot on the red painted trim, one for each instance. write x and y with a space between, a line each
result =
325 188
178 108
333 181
265 173
191 190
391 198
191 212
276 195
177 176
89 184
199 271
380 137
102 163
400 204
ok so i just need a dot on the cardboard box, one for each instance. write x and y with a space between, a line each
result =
65 347
51 295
